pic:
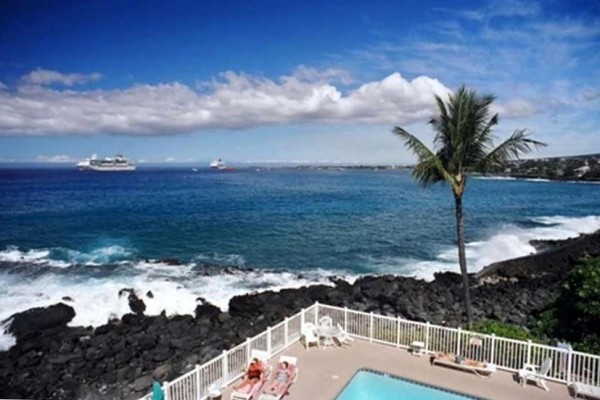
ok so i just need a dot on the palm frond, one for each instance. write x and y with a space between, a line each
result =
429 168
519 143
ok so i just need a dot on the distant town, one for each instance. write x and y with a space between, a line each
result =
581 167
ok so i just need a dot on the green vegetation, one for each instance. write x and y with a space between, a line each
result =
463 145
575 315
503 329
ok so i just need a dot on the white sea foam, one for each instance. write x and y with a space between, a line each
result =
63 258
495 178
176 288
13 254
509 241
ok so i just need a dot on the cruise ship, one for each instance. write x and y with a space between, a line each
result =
118 163
218 164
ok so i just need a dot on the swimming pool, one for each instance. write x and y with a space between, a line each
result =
367 384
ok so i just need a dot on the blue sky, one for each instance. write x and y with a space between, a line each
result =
267 81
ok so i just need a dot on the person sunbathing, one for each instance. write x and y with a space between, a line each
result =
460 360
282 376
254 374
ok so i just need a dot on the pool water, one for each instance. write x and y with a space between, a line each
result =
372 385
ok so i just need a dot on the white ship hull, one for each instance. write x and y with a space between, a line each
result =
106 169
117 164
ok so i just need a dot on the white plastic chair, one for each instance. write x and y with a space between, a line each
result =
309 335
325 321
536 374
343 337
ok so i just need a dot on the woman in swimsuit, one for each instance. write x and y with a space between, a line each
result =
253 374
281 378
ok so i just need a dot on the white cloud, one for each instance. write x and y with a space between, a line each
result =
59 158
515 108
170 159
234 101
44 77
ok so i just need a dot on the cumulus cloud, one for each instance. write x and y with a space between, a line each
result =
233 101
44 77
59 158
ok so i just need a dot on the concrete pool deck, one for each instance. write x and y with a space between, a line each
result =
324 372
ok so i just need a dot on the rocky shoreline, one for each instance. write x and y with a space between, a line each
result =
119 360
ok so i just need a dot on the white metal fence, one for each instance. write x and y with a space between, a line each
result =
231 365
568 366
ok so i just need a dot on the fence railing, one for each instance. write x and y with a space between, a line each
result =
568 366
231 364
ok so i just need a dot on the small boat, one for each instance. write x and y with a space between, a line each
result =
218 164
108 164
194 169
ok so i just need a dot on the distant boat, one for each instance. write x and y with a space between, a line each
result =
218 164
195 169
118 163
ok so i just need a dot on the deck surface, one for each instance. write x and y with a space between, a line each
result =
323 373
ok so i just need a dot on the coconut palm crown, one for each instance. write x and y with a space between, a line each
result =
463 144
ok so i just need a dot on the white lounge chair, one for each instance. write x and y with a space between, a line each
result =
309 335
249 392
282 390
589 391
535 373
343 336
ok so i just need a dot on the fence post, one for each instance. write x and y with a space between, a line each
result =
269 341
165 389
493 350
569 365
371 327
346 319
225 368
529 352
197 381
316 312
248 351
285 332
427 325
458 341
398 332
302 318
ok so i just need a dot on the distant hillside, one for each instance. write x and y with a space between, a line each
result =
583 167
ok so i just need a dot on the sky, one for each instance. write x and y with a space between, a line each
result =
287 81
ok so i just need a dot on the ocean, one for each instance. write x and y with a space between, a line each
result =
87 235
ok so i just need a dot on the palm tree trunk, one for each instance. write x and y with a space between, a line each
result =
462 260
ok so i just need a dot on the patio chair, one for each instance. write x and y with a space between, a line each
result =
589 391
325 321
343 336
251 391
309 335
531 372
481 369
274 390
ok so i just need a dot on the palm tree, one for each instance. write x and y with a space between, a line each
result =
463 144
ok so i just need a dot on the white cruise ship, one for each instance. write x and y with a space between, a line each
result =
118 163
218 164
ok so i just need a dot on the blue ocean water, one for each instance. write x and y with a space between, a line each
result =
367 385
86 235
